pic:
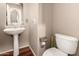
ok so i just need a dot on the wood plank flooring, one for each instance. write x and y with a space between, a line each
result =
22 52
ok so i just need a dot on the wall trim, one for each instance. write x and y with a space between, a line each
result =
12 49
32 50
20 48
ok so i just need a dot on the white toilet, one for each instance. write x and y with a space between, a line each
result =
65 45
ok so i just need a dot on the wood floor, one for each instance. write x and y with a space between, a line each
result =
23 52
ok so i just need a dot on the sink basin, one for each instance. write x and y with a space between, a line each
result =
13 31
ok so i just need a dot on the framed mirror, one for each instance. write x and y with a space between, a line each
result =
14 14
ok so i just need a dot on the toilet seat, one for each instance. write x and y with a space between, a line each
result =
54 52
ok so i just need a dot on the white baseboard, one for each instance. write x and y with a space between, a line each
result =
20 48
12 49
32 50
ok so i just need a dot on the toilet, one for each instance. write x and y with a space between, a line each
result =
66 45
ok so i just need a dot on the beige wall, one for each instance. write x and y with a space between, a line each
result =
42 13
24 38
6 42
34 15
46 19
65 19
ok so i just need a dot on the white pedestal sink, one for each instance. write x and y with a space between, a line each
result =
15 32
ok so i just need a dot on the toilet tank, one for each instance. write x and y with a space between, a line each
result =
66 43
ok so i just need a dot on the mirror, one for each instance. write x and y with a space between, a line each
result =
14 14
14 17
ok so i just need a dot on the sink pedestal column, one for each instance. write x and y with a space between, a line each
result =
16 46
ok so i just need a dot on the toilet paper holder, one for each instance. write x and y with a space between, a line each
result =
43 41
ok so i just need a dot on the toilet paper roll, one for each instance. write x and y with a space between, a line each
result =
43 43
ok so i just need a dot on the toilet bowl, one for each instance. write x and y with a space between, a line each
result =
65 45
54 52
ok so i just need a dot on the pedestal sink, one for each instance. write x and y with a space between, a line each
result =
15 32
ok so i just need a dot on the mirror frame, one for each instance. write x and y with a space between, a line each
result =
9 9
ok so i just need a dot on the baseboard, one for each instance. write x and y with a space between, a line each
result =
12 49
20 48
32 50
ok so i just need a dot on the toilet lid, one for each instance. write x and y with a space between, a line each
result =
54 52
